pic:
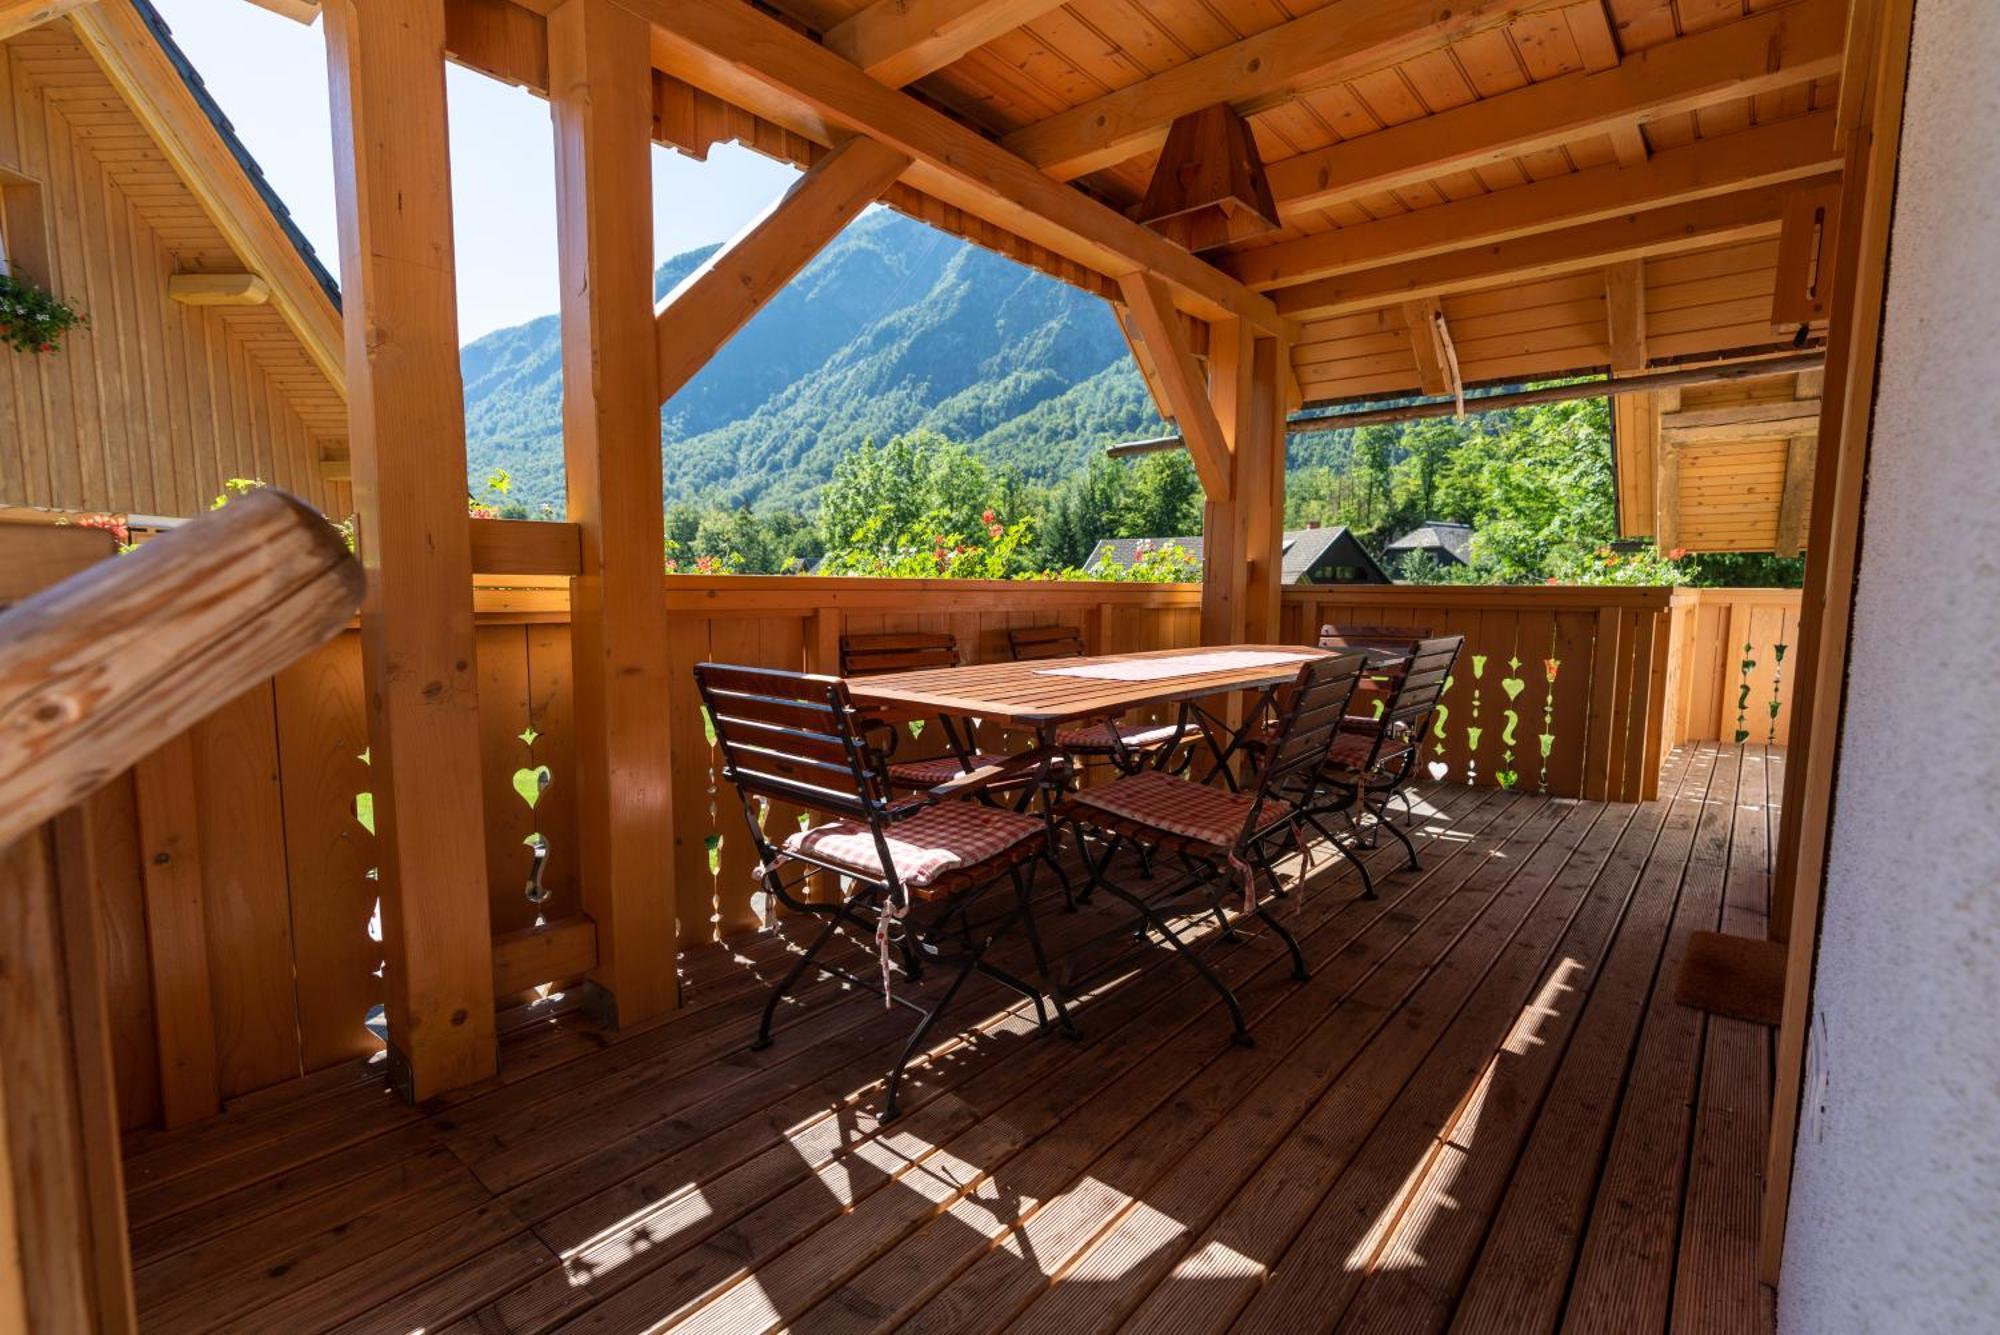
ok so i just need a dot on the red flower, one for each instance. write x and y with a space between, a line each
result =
987 519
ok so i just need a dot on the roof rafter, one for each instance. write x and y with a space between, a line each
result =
1776 49
1767 154
717 299
1345 39
1745 215
900 41
766 67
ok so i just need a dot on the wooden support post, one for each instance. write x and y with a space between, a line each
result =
1245 387
1666 480
1871 113
601 96
1625 310
392 173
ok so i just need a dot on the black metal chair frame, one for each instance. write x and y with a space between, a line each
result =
795 738
1397 744
1305 730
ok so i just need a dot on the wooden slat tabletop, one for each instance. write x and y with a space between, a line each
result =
1030 695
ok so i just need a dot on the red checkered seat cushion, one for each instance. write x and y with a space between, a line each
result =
1194 811
1097 737
943 769
926 848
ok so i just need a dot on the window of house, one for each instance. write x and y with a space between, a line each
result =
23 232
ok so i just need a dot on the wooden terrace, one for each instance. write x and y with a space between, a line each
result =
1486 1112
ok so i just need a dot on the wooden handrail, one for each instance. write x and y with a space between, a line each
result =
102 668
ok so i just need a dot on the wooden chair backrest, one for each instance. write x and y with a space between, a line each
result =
792 737
1371 637
897 651
1419 688
1316 704
1032 642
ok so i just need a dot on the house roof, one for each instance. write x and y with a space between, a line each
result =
146 71
1304 548
1454 539
205 101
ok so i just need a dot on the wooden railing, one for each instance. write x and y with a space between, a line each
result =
1729 669
1560 691
96 671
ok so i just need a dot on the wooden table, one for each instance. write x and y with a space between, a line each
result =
1035 696
1038 696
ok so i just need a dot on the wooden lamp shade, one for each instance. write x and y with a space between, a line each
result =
1209 188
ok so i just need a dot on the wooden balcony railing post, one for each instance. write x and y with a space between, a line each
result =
392 173
601 95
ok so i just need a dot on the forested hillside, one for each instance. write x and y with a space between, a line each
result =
894 327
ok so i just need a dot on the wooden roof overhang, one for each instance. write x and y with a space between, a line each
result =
1522 187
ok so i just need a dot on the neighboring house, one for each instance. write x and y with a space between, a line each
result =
214 347
1313 555
1446 544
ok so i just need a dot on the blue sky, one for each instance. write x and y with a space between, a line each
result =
269 74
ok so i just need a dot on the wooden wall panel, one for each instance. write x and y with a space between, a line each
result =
329 852
249 914
154 405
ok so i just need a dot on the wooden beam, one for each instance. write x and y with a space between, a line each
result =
1328 46
131 57
1749 215
554 952
1767 52
218 289
1625 312
764 66
525 547
715 301
602 100
1243 538
1666 481
1795 501
1765 155
1152 314
1422 318
299 11
392 176
1770 420
1142 357
17 16
900 41
120 657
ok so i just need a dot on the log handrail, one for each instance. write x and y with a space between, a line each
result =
102 668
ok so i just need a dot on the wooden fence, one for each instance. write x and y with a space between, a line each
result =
260 817
1729 671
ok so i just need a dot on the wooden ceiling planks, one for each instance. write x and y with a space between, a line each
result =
1537 119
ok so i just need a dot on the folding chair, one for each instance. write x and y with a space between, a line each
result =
1226 839
1373 759
1109 741
788 737
914 651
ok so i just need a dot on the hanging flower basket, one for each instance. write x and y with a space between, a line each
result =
32 320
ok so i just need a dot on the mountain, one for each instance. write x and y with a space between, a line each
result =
895 326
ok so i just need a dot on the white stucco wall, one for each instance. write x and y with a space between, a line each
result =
1895 1213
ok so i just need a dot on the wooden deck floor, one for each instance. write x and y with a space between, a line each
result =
1484 1113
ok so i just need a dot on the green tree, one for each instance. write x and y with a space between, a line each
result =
1163 498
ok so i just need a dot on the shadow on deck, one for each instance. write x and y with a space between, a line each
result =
1484 1113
